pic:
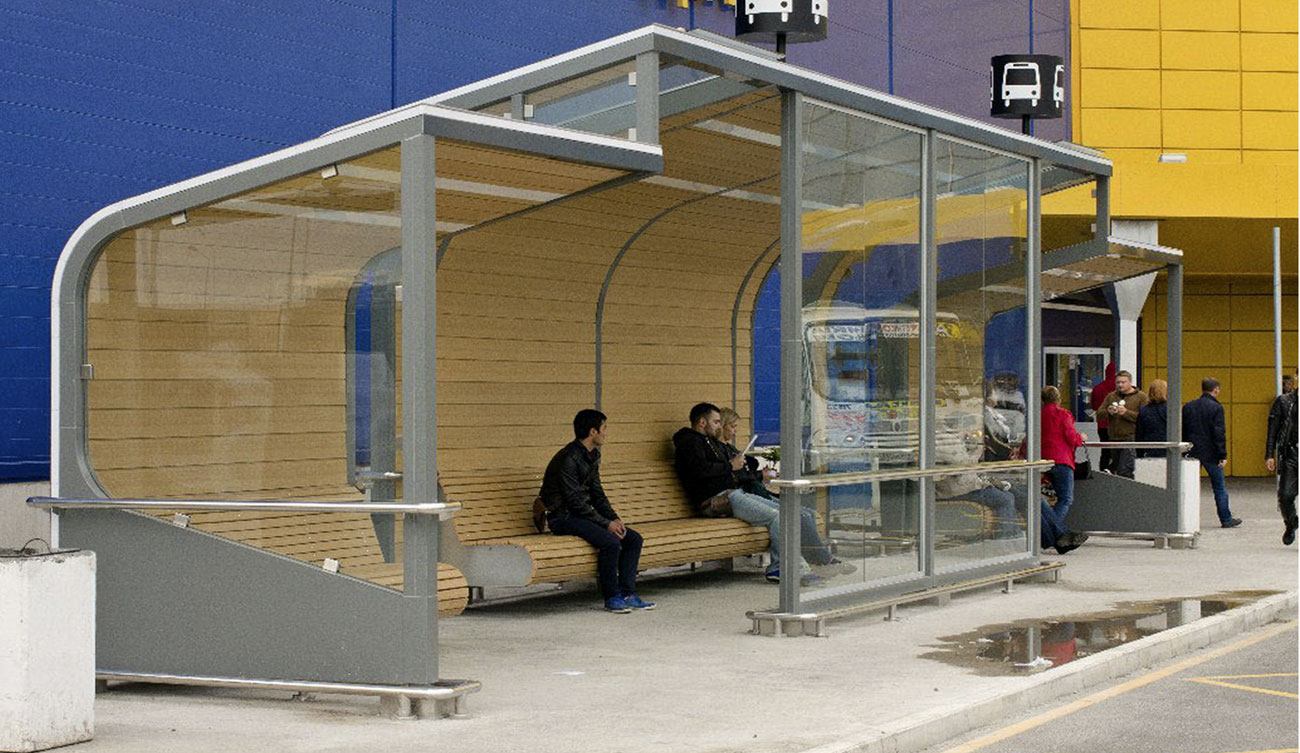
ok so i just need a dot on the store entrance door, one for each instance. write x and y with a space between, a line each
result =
1075 371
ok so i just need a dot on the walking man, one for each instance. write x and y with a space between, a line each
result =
1121 408
576 505
1203 426
1281 452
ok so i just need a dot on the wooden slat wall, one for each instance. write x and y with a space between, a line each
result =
667 351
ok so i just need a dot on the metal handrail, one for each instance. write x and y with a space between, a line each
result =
1182 446
843 479
443 510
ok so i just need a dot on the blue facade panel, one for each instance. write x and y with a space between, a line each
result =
105 99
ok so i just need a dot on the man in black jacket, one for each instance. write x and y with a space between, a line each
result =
1281 451
1203 426
576 505
712 479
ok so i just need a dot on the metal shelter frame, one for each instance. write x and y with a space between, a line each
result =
381 637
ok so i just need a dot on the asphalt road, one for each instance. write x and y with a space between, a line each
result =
1238 697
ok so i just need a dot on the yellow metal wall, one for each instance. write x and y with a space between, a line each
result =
1228 335
1215 80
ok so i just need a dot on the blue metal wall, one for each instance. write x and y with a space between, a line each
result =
105 99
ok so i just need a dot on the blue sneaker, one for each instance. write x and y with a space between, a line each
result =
637 603
617 605
773 576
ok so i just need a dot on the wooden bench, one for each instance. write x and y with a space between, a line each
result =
493 541
348 538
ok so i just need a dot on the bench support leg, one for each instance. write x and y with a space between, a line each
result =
397 707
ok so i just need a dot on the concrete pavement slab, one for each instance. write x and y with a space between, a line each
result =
560 675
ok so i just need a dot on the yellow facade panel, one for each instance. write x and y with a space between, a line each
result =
1212 156
1268 15
1103 128
1270 157
1199 15
1201 129
1110 87
1105 48
1192 382
1255 312
1200 50
1246 424
1200 90
1268 91
1253 385
1251 348
1205 312
1268 130
1118 14
1268 52
1204 349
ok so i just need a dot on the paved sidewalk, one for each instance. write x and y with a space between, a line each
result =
559 675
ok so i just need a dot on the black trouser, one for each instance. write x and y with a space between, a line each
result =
1108 455
616 559
1125 463
1286 491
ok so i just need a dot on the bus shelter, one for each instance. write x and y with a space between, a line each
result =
302 402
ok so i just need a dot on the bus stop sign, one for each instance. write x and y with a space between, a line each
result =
1026 86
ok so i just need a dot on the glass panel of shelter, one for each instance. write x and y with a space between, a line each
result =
981 370
861 261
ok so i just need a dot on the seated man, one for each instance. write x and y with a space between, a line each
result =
576 505
712 483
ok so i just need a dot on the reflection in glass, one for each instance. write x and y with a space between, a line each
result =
861 262
981 232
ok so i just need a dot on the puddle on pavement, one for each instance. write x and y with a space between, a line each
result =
1035 645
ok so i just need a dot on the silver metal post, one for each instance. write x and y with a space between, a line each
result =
927 305
1277 311
792 418
1174 357
419 407
1034 339
1102 192
647 97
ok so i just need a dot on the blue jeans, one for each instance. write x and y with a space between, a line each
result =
1051 523
1215 472
1062 479
1003 505
760 511
616 559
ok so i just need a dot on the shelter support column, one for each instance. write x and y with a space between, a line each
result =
792 418
419 409
928 289
1174 326
1034 341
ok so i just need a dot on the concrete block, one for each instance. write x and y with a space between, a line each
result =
47 651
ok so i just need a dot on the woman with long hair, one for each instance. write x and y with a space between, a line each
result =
1153 418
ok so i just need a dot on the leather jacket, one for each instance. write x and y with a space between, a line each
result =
571 486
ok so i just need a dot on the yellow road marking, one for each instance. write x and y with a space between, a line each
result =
1247 677
1235 686
1108 693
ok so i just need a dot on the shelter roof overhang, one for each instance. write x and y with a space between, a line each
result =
741 63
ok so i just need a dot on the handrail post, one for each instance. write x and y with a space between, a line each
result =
419 407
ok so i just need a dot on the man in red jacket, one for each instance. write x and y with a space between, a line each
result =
1099 393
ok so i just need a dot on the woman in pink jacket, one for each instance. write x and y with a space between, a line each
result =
1060 440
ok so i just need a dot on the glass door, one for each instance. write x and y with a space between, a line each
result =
1075 371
